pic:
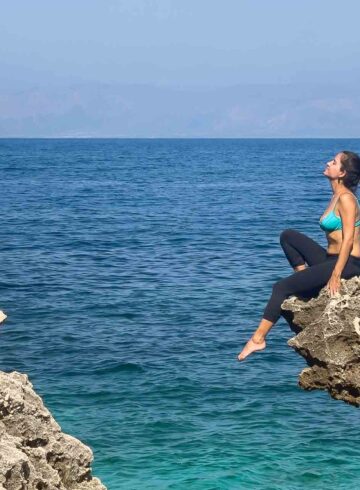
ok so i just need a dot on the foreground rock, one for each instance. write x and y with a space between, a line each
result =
34 453
328 337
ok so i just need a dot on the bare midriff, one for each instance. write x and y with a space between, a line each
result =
334 240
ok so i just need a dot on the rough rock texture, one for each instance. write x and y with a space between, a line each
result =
34 453
328 337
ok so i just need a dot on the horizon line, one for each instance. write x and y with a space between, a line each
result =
177 137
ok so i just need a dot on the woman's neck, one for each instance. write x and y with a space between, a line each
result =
337 188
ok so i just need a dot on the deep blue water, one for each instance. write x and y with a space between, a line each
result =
133 272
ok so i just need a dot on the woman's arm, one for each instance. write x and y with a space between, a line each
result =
347 211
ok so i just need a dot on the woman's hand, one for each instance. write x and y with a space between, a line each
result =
333 285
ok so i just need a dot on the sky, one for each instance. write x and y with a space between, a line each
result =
177 43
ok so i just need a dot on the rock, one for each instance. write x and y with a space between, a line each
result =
34 453
328 337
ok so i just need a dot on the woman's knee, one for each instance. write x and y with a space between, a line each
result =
287 234
280 288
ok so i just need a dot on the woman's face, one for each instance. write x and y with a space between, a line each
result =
333 168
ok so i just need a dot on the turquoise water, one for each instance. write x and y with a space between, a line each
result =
133 272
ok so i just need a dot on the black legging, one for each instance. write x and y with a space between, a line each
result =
299 249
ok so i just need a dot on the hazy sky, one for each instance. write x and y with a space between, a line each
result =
179 42
180 68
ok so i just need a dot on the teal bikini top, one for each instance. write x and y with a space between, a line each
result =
331 222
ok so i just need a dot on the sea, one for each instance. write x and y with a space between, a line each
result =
133 272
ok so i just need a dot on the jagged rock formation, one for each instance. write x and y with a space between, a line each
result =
328 337
34 453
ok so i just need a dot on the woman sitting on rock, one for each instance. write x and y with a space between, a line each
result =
341 259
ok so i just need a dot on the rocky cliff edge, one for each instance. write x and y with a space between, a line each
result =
34 453
328 337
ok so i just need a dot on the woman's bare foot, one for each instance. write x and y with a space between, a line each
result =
250 347
2 316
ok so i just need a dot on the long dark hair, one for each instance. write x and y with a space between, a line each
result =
350 162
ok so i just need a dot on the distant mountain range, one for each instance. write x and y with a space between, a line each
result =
110 110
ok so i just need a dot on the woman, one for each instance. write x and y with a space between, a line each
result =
324 267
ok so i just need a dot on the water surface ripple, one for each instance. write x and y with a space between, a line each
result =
133 272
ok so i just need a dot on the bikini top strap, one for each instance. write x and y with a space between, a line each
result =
338 199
